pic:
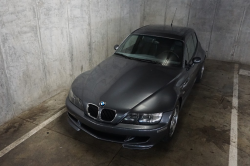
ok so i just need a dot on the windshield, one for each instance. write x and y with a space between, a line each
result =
168 52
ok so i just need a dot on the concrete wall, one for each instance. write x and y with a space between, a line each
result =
45 44
223 26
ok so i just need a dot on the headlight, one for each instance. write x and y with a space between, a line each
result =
131 118
135 118
75 100
150 118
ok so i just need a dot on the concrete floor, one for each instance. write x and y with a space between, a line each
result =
202 136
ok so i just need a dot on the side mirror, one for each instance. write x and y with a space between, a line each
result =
196 60
116 46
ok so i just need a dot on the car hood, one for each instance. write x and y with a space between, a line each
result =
122 83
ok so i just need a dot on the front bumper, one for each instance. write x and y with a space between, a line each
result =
130 135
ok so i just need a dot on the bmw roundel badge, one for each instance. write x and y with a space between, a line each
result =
102 103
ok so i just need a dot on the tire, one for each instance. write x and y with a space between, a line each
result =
173 123
200 74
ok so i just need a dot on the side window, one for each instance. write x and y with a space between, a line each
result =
195 39
190 47
186 57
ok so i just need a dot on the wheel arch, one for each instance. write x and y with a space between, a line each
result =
180 101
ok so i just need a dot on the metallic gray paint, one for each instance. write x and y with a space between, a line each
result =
131 86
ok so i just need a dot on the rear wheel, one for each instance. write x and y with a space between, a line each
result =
200 74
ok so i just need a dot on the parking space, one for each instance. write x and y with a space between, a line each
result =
243 119
202 136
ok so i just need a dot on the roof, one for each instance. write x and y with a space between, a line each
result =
168 31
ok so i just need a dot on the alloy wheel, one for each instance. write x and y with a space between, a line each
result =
174 121
202 71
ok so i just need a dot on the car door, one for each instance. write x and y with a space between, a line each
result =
186 84
196 54
193 52
190 51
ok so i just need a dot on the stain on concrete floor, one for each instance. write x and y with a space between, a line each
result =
12 127
211 134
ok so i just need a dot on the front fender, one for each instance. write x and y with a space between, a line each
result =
163 100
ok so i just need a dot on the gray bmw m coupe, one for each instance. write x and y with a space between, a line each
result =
134 97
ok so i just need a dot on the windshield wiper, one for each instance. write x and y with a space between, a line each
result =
147 60
122 55
137 59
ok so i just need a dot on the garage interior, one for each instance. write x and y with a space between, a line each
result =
46 44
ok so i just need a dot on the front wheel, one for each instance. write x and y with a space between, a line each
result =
173 123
